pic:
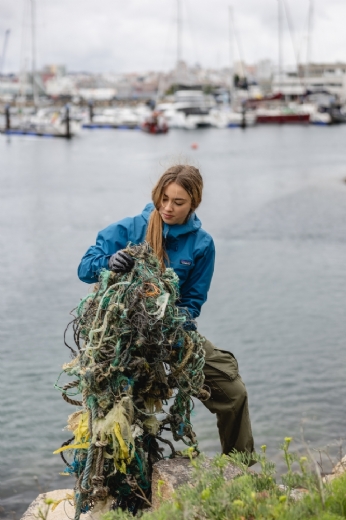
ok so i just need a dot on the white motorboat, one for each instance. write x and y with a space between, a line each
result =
114 117
225 117
317 116
52 122
190 109
127 118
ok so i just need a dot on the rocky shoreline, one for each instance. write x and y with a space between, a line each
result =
168 475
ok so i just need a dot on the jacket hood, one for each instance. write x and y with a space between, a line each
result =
175 230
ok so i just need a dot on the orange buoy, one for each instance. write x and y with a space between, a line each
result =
194 146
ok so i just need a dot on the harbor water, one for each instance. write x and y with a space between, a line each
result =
275 203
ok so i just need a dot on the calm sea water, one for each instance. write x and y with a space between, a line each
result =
275 202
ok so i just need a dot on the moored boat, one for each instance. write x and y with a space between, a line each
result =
281 116
155 124
189 110
46 122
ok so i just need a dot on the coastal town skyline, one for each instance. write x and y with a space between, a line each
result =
137 37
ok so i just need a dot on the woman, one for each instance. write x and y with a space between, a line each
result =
173 230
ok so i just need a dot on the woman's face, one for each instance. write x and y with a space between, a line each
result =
175 204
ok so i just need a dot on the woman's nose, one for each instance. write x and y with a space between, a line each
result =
168 205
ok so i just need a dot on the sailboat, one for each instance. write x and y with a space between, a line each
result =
276 110
190 107
46 122
236 113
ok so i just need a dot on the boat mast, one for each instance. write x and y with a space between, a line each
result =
179 28
280 43
231 54
308 51
291 31
2 63
33 53
179 41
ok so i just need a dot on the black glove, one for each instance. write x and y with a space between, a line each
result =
121 262
190 323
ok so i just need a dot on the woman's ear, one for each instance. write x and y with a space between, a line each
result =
189 215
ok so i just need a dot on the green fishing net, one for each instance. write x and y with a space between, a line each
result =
136 369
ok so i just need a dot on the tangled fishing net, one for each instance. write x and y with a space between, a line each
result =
133 356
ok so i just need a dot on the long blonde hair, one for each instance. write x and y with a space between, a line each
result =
189 178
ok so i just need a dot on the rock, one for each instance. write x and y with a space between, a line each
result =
65 509
340 468
337 471
169 474
296 494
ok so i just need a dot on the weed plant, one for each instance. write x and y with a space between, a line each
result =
251 495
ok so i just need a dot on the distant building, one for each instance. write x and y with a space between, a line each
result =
240 69
264 70
316 77
54 70
97 94
60 86
11 87
323 69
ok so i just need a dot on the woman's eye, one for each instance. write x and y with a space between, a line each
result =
179 204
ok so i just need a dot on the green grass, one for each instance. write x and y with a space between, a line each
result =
251 496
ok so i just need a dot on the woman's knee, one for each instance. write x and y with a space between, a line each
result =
226 394
237 393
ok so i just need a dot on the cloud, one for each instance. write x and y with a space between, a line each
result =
112 35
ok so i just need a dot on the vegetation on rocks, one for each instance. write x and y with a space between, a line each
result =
251 495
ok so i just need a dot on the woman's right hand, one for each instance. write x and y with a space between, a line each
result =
121 262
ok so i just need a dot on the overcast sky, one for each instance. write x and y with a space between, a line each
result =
139 35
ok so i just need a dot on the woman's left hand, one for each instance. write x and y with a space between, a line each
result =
121 262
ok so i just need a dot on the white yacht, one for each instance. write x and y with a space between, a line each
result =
48 122
225 117
190 109
117 117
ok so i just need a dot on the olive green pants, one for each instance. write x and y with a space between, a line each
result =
228 400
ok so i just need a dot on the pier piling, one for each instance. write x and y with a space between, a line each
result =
7 118
67 120
91 110
243 113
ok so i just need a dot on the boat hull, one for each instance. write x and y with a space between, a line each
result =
280 119
154 129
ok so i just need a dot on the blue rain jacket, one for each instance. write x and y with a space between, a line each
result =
190 250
